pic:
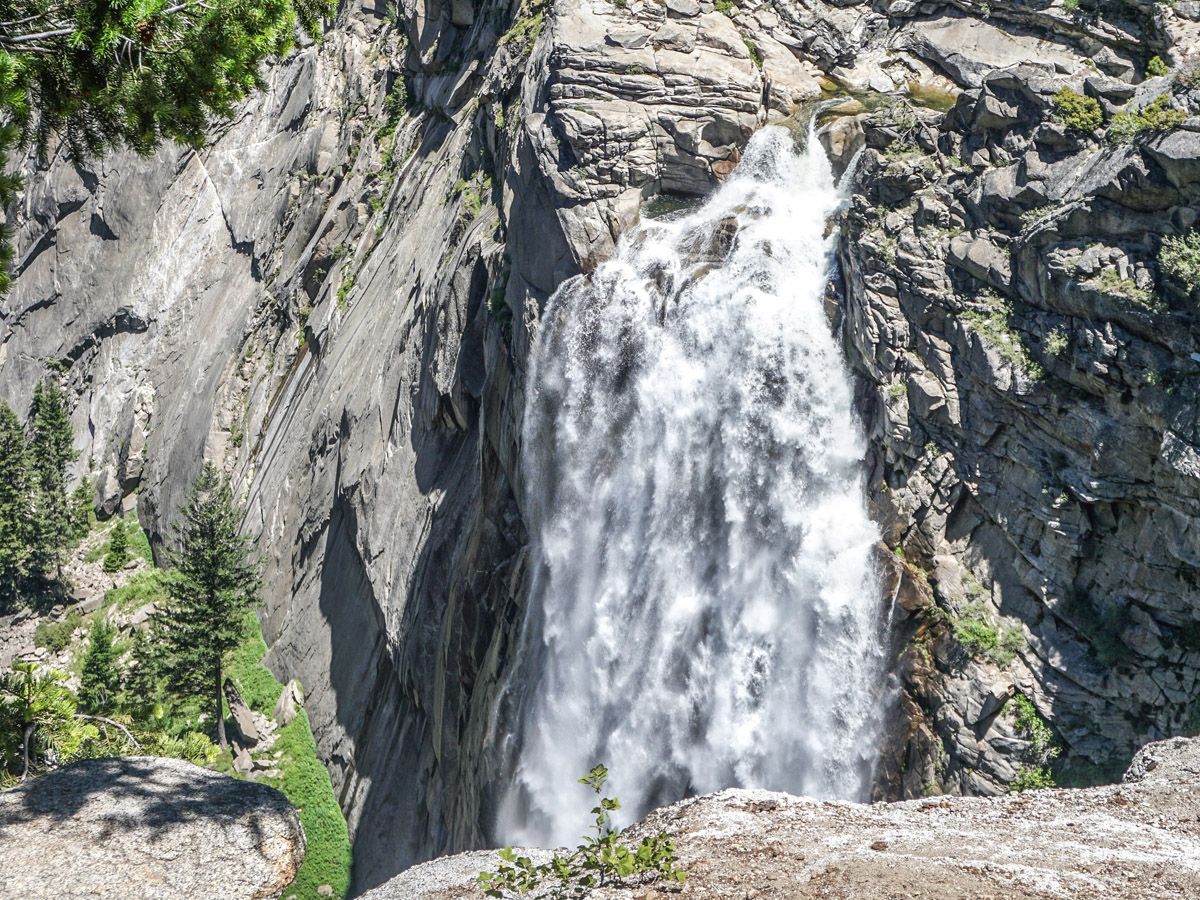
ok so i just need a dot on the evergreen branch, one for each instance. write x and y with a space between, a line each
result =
117 725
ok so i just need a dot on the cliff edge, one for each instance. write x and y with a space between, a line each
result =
1139 838
142 827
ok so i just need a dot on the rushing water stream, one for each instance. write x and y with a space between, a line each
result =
704 612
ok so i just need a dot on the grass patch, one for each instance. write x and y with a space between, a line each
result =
1110 282
259 688
149 586
991 324
303 779
305 782
526 29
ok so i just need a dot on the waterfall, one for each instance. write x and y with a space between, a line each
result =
704 611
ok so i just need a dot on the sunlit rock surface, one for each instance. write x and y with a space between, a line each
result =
141 827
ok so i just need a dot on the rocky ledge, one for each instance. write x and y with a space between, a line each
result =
1139 838
142 827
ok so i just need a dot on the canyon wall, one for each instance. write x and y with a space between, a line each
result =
336 301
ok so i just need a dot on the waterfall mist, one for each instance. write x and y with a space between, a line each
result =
704 610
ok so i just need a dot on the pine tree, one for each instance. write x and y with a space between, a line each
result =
118 548
14 505
100 678
210 591
104 74
82 506
50 449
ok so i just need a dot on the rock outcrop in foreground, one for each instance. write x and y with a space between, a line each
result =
1140 838
143 827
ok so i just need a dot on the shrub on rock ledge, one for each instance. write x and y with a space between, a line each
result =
1077 112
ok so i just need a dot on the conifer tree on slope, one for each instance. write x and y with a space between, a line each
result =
99 677
14 504
103 74
212 587
82 505
50 451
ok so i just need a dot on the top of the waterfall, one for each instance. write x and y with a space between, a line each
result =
1134 839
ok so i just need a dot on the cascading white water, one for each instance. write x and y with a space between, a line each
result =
704 612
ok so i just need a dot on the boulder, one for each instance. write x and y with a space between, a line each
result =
249 734
140 827
1137 839
289 703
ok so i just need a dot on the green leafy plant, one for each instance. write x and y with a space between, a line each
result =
725 7
1043 746
1156 67
528 26
1031 778
37 720
1056 342
1179 258
1077 112
1156 116
601 859
56 636
755 53
343 292
991 323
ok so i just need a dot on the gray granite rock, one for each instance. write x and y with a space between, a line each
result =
141 827
1138 839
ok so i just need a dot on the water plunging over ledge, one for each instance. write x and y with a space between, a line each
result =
704 611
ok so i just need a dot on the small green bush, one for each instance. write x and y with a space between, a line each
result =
726 7
1056 342
1043 747
1156 67
56 636
755 53
991 324
1157 116
1031 778
1012 641
1077 112
601 859
977 636
1071 6
1179 258
1029 722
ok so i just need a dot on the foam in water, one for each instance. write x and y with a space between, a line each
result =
704 611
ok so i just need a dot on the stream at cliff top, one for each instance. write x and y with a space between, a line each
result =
704 611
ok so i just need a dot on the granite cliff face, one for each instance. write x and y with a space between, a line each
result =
336 300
